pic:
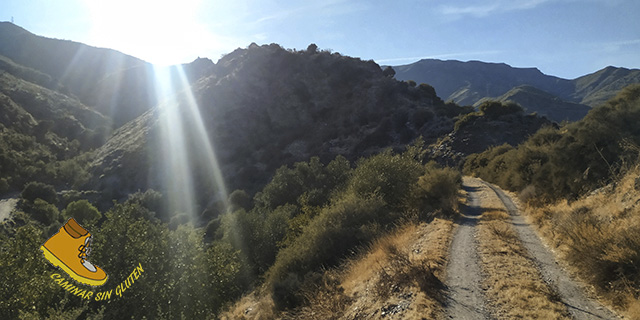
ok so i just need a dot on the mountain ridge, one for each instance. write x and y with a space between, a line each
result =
468 82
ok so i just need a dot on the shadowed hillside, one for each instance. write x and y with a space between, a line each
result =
265 106
117 85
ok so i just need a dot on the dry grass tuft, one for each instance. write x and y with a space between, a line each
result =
252 306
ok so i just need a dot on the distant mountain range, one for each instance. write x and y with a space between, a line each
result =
466 83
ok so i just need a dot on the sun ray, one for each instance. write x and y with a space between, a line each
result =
187 153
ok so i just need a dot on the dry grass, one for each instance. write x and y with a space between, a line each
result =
252 306
514 285
599 237
398 277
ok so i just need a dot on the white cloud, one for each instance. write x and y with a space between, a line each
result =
491 7
315 10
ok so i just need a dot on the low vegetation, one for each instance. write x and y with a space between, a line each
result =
307 220
599 236
570 161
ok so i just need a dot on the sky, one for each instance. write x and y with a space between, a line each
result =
565 38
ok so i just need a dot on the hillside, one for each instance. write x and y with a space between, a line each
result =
543 103
596 88
579 183
117 85
258 106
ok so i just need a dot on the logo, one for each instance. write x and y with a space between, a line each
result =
69 249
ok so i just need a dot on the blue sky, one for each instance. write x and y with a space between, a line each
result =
566 38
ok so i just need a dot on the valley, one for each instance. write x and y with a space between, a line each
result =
306 184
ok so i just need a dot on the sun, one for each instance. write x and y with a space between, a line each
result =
160 32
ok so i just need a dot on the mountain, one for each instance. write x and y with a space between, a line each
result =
541 102
466 83
596 88
265 106
115 84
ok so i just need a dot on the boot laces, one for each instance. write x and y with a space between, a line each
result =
84 249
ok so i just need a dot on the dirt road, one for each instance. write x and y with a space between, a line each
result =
466 298
464 279
571 292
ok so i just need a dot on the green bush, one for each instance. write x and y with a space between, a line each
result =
83 212
327 238
438 189
496 109
182 277
239 199
38 190
387 175
43 211
570 161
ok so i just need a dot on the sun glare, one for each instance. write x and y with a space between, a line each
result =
160 32
181 125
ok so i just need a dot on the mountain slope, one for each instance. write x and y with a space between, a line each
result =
546 104
596 88
263 107
467 82
117 85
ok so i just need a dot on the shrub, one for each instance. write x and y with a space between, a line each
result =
4 185
496 109
38 190
420 117
239 199
389 72
83 211
330 236
387 175
438 188
43 211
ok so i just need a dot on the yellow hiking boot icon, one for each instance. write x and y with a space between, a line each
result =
68 249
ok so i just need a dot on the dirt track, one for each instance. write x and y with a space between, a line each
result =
464 275
466 298
571 292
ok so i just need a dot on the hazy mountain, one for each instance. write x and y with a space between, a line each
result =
114 84
543 103
466 83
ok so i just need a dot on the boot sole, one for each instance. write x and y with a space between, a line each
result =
57 263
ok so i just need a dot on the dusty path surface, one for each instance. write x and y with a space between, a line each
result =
465 296
571 292
6 206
